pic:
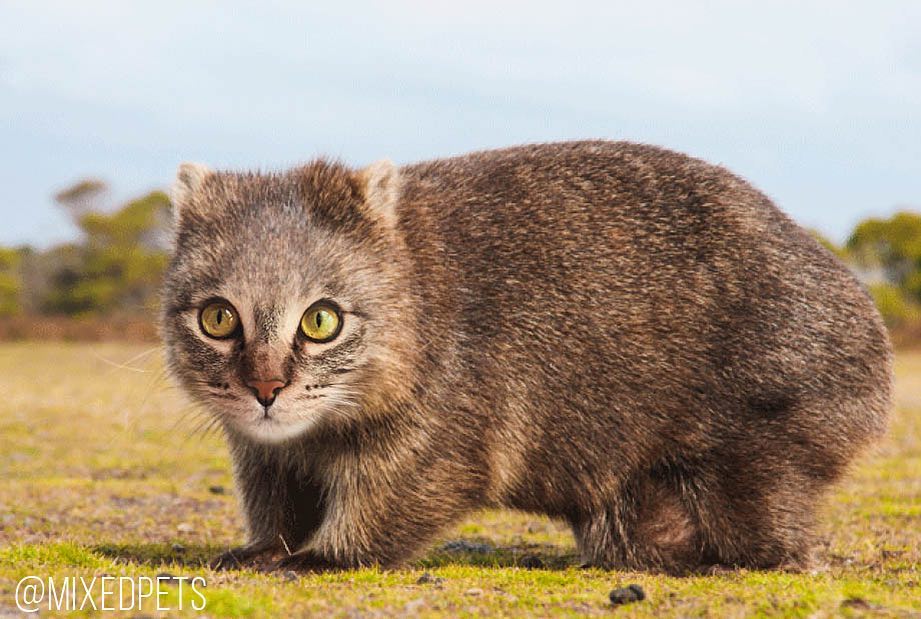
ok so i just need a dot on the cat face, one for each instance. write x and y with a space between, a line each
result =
284 307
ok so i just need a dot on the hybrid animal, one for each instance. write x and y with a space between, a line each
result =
628 339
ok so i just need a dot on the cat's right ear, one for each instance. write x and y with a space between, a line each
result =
381 189
190 177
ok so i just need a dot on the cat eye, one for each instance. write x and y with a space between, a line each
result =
219 320
321 322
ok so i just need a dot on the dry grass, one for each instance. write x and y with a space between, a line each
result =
101 473
124 328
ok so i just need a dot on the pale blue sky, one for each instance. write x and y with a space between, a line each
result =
817 103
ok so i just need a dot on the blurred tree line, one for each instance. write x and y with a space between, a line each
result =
116 265
886 253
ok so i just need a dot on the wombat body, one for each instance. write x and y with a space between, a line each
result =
616 335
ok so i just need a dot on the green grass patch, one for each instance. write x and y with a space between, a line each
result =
100 476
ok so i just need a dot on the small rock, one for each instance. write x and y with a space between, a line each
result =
290 575
413 607
167 578
428 579
217 490
178 548
627 595
531 562
462 545
184 527
474 592
860 604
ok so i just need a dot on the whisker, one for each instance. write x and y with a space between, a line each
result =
125 365
205 428
221 396
192 415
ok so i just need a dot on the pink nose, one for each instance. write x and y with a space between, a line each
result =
266 390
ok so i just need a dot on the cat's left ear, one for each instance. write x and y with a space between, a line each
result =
190 177
381 182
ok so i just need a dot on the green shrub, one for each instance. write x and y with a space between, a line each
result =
896 308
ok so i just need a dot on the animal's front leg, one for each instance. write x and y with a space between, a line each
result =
374 519
362 528
256 553
283 507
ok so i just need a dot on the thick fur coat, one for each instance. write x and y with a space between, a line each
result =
616 335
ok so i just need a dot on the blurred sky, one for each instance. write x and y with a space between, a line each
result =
817 103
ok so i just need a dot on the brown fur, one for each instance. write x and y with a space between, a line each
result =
616 335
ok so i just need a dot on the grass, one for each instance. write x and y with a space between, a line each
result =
101 475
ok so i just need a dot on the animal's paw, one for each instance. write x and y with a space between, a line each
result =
244 556
304 561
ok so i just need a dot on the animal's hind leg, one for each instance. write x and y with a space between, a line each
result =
756 493
648 527
758 515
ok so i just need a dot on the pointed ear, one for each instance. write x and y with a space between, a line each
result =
382 190
189 180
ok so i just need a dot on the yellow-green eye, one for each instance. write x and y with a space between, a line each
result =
219 319
321 323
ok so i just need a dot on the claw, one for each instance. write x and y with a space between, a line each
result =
304 562
225 561
237 558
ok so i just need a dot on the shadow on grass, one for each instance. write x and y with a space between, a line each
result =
160 554
460 552
482 554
